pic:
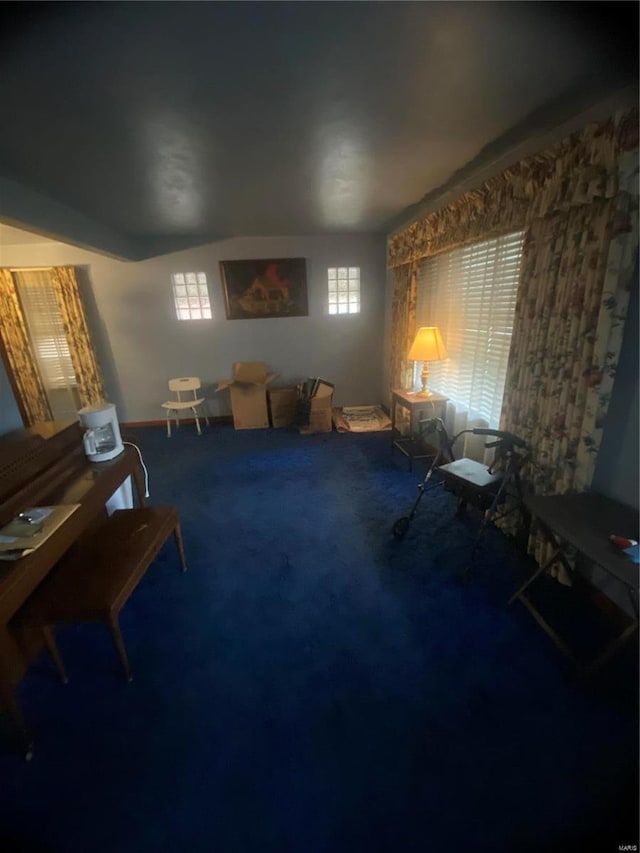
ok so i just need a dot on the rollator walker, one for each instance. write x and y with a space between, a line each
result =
495 489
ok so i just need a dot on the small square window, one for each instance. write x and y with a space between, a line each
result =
191 296
343 285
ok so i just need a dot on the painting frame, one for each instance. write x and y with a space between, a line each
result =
267 288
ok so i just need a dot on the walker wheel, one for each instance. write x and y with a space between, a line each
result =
400 527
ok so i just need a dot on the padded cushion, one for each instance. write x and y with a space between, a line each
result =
471 472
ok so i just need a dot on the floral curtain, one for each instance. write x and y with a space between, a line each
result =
85 365
566 340
403 329
31 397
578 202
576 171
577 273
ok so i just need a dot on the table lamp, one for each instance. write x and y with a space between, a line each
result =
427 346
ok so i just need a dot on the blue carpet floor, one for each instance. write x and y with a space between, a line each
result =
311 685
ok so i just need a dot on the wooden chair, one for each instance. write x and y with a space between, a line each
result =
184 385
95 579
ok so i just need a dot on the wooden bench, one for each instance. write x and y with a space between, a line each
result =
94 580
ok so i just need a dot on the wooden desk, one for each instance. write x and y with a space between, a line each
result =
70 479
584 522
419 408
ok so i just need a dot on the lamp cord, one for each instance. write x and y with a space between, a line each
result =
144 467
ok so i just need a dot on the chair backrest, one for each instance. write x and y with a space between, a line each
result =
185 383
511 452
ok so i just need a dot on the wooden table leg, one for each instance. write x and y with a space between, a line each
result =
177 532
531 578
114 625
549 631
558 555
9 701
52 646
393 422
612 649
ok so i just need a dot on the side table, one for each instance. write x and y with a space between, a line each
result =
419 407
585 522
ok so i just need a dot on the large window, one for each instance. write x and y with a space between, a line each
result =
470 294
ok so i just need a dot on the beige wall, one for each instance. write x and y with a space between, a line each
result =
10 417
141 344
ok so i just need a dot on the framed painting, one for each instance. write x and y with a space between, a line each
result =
276 287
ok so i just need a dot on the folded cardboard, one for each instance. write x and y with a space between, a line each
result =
323 390
248 391
319 417
282 405
319 405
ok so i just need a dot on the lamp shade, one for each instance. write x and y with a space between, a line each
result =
427 345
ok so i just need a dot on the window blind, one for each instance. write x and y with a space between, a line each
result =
470 294
46 330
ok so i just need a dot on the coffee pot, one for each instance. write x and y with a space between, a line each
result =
101 437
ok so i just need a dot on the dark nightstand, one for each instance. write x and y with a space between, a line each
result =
419 407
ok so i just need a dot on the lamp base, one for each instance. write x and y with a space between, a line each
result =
424 377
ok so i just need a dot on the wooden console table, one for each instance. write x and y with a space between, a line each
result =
585 522
419 408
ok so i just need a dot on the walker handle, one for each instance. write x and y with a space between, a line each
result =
502 436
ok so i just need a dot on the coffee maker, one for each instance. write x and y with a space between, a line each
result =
101 438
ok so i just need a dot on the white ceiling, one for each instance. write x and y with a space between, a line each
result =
176 123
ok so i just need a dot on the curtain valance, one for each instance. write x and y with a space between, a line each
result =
576 171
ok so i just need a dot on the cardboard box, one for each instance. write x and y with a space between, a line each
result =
320 418
282 405
248 390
